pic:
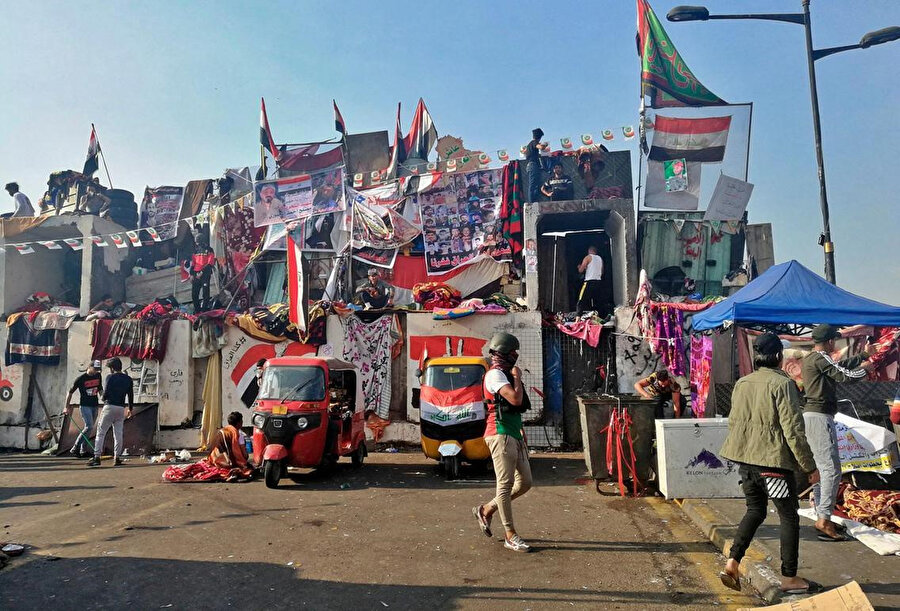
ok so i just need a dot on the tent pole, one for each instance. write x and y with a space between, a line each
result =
553 290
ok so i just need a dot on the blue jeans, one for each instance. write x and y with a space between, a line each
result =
534 181
89 415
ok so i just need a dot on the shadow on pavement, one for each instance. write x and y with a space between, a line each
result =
112 583
12 492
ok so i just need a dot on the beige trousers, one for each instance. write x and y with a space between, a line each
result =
510 456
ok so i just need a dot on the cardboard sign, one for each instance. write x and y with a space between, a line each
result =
729 199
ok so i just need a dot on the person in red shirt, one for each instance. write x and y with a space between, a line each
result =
202 264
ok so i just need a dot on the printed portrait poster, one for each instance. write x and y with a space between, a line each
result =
460 221
160 209
298 197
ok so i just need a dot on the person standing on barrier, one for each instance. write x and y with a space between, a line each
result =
766 439
506 402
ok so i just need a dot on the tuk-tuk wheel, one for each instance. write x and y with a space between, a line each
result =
451 467
272 472
359 456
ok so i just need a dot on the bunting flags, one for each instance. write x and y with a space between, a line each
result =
484 158
587 139
23 249
133 237
608 134
153 234
665 77
566 143
628 132
503 155
99 241
49 244
339 124
91 163
118 240
74 243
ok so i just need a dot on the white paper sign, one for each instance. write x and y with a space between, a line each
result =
729 199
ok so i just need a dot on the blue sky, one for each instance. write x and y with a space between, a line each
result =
174 89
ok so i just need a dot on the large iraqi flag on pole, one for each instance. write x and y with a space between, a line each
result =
690 139
298 289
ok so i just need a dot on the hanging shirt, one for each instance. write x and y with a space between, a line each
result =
594 270
23 205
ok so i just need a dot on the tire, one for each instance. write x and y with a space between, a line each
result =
451 468
359 456
117 205
119 194
272 473
6 393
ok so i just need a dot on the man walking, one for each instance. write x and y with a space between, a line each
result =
591 295
821 375
89 386
765 438
118 399
506 402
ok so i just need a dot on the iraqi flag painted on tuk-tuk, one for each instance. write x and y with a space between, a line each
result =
449 407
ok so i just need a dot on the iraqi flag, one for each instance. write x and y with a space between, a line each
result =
422 136
91 163
265 134
298 289
398 152
701 140
339 124
449 407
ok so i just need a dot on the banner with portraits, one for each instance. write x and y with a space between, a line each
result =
460 220
298 197
160 209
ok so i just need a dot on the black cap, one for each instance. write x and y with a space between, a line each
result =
537 133
823 333
768 344
11 185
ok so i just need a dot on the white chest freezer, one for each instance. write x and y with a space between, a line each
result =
689 463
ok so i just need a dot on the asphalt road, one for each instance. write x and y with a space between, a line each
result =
391 535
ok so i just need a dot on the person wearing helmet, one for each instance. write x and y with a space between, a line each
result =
506 402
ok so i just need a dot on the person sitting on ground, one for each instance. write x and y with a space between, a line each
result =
766 439
227 461
558 187
375 292
103 309
663 388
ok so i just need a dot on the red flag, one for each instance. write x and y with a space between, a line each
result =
265 134
298 291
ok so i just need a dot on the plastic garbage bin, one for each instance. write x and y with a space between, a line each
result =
595 411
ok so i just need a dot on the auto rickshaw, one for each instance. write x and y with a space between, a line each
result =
308 414
452 413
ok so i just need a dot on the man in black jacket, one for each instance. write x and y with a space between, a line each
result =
118 398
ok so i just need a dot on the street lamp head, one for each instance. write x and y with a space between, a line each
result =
879 37
688 13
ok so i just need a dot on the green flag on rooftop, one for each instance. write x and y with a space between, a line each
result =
664 75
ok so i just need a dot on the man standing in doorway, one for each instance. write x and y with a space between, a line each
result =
533 164
118 399
23 205
591 295
89 386
821 375
506 402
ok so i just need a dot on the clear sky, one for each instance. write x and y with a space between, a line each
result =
174 90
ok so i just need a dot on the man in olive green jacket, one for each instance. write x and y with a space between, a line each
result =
767 440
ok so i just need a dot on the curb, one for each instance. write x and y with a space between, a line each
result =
755 567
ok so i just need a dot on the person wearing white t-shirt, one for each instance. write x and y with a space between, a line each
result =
591 295
23 205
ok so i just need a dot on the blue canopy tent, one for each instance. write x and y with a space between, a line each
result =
790 294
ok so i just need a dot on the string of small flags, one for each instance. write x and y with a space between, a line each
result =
122 239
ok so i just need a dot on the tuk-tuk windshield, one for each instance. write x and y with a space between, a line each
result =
453 377
303 383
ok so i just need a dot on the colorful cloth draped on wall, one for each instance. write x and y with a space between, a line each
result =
368 346
241 237
701 362
136 339
25 344
584 330
511 210
668 337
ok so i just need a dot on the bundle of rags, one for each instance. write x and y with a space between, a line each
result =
134 338
436 295
25 344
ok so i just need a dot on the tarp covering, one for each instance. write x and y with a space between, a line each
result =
791 294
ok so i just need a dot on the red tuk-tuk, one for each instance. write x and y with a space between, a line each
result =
309 413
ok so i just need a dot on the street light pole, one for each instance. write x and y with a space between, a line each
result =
825 240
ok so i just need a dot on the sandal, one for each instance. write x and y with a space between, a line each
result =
730 581
483 522
812 587
821 535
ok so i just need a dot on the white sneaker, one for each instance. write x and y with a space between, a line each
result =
516 544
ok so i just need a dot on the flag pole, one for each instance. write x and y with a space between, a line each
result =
102 156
